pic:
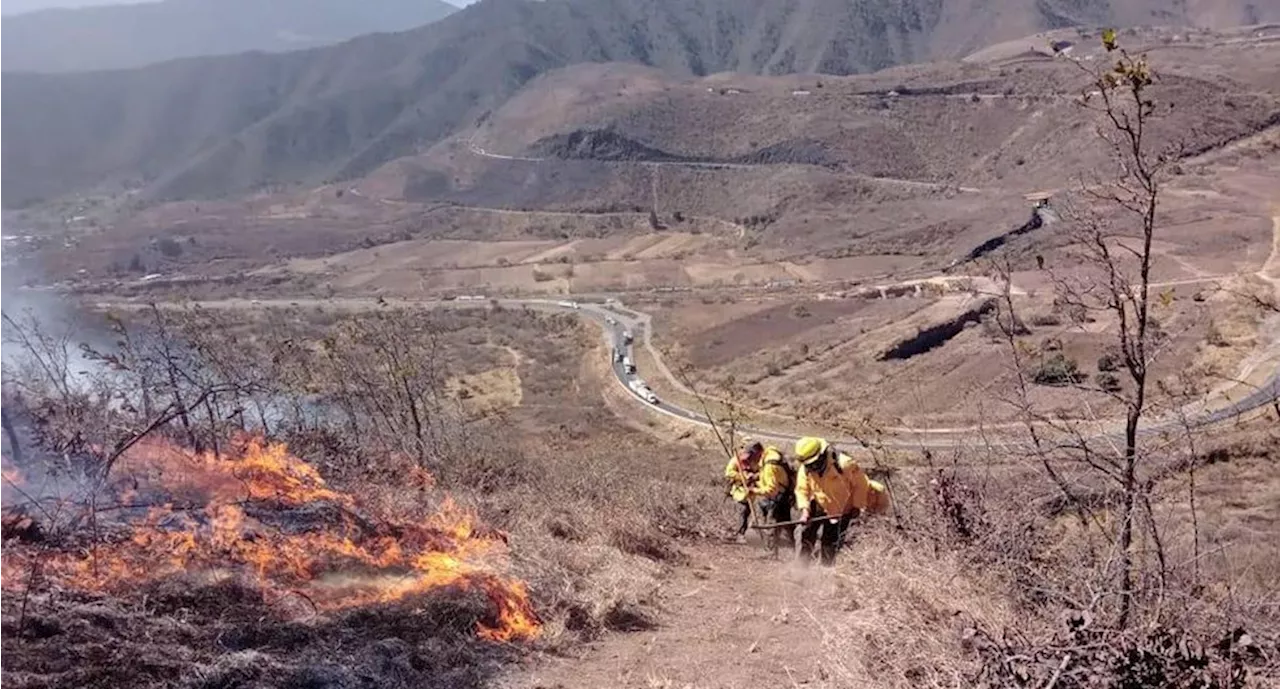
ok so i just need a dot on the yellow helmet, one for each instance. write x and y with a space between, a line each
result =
809 448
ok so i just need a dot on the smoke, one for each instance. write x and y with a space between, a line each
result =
40 323
55 318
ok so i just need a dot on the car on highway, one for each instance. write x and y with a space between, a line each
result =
643 391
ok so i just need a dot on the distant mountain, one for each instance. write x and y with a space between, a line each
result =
215 126
122 36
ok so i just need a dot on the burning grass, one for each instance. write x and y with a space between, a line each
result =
269 517
256 547
375 561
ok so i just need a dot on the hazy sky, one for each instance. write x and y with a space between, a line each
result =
17 6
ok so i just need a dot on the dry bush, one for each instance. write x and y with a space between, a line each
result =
591 513
1045 319
909 613
994 580
585 588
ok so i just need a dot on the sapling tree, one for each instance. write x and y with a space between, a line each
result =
1111 230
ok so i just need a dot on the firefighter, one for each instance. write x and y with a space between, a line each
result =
831 490
761 475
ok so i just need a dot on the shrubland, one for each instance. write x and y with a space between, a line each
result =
544 503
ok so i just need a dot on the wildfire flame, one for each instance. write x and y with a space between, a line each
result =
213 513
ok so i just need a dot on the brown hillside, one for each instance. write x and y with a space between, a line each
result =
973 124
206 127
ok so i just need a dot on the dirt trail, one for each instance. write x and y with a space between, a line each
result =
732 617
1270 270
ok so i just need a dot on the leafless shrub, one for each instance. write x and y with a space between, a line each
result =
1045 319
1137 611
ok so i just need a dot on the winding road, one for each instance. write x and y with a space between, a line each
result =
616 321
478 150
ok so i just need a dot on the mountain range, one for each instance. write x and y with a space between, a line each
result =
133 35
215 126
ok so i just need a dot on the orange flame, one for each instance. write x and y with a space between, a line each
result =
219 512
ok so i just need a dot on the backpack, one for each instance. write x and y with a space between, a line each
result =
786 467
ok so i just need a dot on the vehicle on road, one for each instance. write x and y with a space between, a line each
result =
609 320
617 355
643 391
628 365
626 337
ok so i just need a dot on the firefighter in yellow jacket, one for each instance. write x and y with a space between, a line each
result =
832 490
760 474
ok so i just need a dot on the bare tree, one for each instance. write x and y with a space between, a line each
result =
1112 229
1126 111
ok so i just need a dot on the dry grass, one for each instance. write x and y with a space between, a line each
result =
592 513
909 612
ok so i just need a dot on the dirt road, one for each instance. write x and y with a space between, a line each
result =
480 151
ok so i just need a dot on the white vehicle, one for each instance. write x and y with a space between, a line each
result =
628 365
609 320
638 386
626 337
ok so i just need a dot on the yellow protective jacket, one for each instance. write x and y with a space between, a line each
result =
877 498
767 481
838 490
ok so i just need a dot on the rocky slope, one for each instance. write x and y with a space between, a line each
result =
215 126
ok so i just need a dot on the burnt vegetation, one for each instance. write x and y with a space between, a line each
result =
384 456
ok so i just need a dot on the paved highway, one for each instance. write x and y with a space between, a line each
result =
616 320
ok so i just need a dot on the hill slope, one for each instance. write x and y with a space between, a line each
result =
122 36
214 126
